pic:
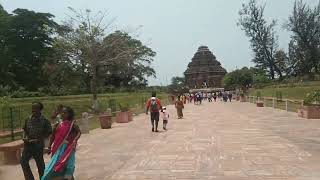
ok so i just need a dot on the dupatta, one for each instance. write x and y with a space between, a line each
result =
63 135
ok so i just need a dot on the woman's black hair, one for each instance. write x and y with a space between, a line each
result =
60 107
39 104
70 112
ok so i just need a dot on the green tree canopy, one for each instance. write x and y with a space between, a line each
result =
239 79
177 86
262 36
26 45
126 60
304 48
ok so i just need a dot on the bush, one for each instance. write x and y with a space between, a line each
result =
312 98
124 107
113 105
21 92
5 90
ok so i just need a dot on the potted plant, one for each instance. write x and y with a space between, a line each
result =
105 120
311 106
130 115
242 97
113 106
123 115
259 102
238 97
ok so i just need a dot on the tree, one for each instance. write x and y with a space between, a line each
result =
177 86
82 38
63 76
133 67
7 77
282 60
262 37
85 41
304 53
239 79
27 45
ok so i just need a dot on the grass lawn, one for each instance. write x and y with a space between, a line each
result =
289 91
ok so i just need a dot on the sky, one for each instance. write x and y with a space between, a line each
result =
175 29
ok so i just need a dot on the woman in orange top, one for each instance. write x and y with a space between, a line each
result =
179 106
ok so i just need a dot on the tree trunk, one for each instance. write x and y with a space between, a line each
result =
278 71
94 83
272 72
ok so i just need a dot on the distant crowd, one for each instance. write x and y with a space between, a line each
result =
199 97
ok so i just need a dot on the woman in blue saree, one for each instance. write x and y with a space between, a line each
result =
63 147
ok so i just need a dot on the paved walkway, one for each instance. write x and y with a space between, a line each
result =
223 141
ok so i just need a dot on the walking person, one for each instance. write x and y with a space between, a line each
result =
165 117
179 106
184 99
220 96
35 130
225 96
230 96
63 147
200 98
209 97
215 97
154 106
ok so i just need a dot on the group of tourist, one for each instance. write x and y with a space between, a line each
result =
199 97
63 138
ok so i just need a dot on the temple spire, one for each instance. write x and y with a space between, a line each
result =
204 71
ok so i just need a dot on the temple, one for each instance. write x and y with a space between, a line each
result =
204 71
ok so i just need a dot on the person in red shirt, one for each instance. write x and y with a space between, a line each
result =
154 106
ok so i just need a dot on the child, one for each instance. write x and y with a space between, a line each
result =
165 116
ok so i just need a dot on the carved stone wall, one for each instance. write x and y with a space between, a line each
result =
204 71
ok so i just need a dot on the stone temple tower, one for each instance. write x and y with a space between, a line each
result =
204 71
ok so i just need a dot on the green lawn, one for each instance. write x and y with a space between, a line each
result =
289 91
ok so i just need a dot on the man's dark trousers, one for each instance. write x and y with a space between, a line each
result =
155 119
34 150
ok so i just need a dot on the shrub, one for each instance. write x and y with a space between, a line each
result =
312 98
113 105
124 107
5 90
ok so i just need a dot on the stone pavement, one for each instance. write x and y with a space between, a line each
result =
222 141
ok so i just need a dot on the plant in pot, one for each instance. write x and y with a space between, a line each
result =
106 120
238 96
311 106
259 102
113 106
242 97
123 115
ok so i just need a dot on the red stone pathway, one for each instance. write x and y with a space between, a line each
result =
222 141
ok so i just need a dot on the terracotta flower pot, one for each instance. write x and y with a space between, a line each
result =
130 116
243 99
309 112
122 117
260 104
105 121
